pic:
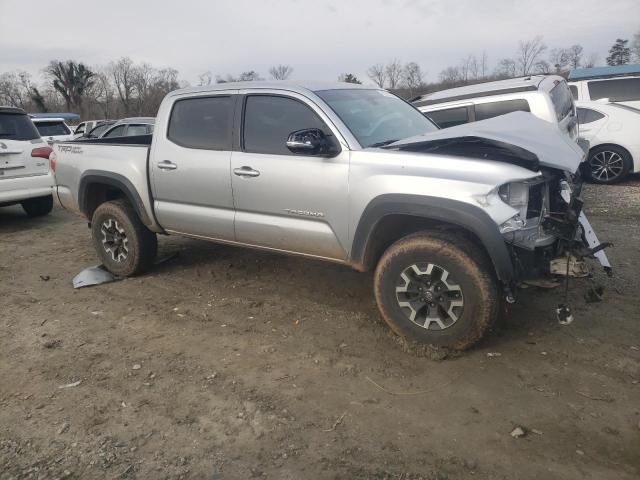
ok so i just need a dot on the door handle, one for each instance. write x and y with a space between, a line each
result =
167 165
246 172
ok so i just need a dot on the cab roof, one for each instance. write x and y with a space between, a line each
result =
298 87
499 87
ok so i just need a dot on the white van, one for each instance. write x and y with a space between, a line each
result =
619 84
546 96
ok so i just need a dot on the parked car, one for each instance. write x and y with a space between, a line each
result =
25 176
545 96
130 127
620 84
613 132
85 127
451 220
52 129
98 130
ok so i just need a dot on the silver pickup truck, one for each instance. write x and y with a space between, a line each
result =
450 220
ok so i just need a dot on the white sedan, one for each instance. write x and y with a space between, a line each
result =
613 132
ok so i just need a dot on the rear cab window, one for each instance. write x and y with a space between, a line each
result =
488 110
50 129
202 122
616 90
17 126
562 100
449 117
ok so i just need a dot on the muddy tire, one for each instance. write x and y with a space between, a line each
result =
38 207
125 246
434 288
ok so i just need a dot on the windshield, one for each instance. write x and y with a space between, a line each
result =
376 117
50 129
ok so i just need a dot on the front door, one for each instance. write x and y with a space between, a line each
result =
285 201
189 165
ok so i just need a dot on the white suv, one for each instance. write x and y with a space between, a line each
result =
53 129
620 84
25 172
546 96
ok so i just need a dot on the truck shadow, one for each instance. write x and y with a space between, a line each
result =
14 219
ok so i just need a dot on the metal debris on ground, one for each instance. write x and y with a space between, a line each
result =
518 432
95 275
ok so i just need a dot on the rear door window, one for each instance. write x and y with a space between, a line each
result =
202 122
562 100
449 117
135 130
17 126
616 90
586 115
51 129
485 111
116 132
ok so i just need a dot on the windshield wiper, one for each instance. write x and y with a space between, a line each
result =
382 144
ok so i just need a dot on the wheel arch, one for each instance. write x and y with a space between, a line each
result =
388 218
97 187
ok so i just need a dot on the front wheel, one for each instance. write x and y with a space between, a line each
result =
125 246
38 207
436 289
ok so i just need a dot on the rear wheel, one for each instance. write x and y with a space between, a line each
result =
38 207
608 164
125 246
436 289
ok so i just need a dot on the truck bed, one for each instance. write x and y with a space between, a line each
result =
122 161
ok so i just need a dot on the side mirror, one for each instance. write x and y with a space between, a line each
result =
311 141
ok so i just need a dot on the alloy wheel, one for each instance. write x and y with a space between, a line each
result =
114 240
606 166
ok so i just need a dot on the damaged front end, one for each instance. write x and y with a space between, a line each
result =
549 235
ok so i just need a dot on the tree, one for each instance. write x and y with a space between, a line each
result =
591 61
38 100
280 72
71 80
349 78
635 47
619 53
529 53
377 74
542 67
574 53
506 68
205 79
15 89
123 73
559 58
412 76
450 75
393 73
249 76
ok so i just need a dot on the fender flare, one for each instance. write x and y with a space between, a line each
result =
115 180
461 214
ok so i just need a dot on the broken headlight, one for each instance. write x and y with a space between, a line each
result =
516 195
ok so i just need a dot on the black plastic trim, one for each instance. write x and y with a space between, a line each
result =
114 180
454 212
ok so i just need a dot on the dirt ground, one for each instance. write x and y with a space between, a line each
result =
225 363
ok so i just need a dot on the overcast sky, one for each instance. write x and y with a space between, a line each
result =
320 39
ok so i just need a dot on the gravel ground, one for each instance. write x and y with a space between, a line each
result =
226 363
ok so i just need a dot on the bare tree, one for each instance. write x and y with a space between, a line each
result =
377 74
71 80
280 72
529 53
205 79
15 88
635 47
574 53
591 61
450 75
412 76
506 68
484 65
559 58
123 74
393 72
542 67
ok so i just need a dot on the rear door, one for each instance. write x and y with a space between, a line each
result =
18 138
190 166
285 201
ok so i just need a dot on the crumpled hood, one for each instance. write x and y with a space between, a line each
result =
517 137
